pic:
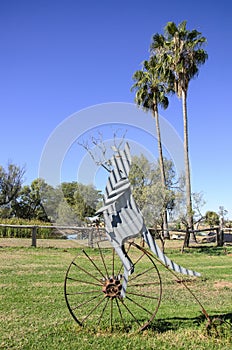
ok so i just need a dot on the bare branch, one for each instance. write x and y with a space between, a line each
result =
99 152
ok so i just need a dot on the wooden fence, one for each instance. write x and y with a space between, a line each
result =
87 233
91 233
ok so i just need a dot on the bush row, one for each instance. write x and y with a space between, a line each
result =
22 232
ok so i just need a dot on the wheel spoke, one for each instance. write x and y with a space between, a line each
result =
84 293
141 295
84 282
140 258
130 312
87 273
103 311
113 262
142 273
142 284
120 312
92 310
85 303
93 285
93 263
111 314
139 305
103 260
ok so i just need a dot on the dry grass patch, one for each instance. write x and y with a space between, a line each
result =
222 284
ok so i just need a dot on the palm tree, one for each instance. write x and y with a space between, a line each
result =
181 53
150 92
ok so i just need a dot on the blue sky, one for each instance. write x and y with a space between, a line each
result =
60 57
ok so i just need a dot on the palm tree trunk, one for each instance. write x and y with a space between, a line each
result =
162 173
187 170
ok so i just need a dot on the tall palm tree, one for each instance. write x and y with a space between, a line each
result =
182 54
150 92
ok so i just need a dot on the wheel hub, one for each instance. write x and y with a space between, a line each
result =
112 287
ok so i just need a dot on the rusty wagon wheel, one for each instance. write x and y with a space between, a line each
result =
93 285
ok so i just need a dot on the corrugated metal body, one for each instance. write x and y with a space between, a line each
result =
123 219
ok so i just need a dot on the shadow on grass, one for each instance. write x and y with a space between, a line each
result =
175 323
221 325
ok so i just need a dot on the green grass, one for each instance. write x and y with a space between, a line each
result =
34 315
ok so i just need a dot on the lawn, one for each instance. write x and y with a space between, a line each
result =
34 314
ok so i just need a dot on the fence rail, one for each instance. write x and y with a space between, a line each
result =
90 233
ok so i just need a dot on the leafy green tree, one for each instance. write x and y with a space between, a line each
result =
29 204
179 213
142 174
66 215
68 189
148 191
90 196
212 218
11 180
150 93
51 198
82 199
181 54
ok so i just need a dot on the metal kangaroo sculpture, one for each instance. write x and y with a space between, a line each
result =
123 219
101 288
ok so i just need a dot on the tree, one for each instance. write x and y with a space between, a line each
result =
91 197
222 212
212 218
66 215
150 93
181 54
29 204
148 191
68 189
82 199
142 174
51 198
11 180
179 213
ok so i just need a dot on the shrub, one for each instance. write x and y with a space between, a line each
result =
23 232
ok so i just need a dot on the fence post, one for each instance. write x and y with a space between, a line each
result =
220 234
90 243
34 232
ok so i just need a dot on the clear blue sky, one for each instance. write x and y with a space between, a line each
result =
59 57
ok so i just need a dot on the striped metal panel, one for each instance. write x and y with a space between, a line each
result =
167 262
123 219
